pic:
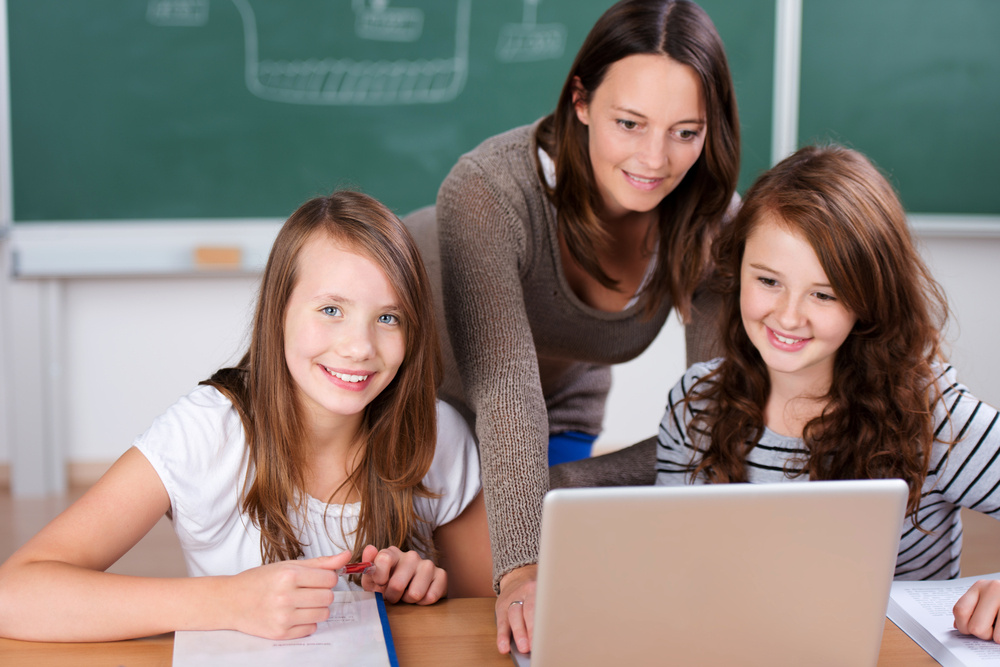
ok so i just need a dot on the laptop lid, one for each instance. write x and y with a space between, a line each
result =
729 574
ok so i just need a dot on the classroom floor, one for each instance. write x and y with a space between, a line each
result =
158 554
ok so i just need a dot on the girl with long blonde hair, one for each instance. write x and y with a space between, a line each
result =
324 444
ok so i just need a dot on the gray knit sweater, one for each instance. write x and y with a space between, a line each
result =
526 357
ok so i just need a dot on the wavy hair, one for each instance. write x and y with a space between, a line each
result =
399 428
692 214
878 421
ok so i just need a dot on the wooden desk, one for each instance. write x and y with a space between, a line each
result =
457 632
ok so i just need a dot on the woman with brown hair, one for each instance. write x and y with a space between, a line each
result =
324 444
832 366
564 245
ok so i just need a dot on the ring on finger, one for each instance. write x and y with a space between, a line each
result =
520 602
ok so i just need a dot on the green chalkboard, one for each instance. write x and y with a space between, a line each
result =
747 28
915 84
139 110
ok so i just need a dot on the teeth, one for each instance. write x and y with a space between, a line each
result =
788 341
643 180
347 378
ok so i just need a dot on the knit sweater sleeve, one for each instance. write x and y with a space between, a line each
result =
485 243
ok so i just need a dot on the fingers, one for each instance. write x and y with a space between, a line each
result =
296 632
327 562
385 562
503 628
976 611
285 599
321 572
515 609
429 585
964 609
518 617
300 622
314 598
513 622
405 576
368 553
303 622
528 614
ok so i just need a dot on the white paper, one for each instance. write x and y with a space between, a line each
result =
923 610
352 635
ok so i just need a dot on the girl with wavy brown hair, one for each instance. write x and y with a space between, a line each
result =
324 444
832 365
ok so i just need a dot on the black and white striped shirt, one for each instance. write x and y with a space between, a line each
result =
964 475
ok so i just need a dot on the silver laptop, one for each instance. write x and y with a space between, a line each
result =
731 574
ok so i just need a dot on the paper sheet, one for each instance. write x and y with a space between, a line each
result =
353 635
923 610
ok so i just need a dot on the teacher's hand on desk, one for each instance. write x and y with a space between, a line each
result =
515 608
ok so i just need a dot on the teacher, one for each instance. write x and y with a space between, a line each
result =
563 247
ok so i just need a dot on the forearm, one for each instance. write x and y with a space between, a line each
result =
514 484
511 424
50 601
630 466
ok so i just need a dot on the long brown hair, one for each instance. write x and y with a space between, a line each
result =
690 216
878 420
399 428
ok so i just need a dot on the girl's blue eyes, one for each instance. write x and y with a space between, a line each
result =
387 318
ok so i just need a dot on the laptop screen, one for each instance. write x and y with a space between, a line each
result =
769 574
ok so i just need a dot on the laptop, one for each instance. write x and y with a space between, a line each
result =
731 574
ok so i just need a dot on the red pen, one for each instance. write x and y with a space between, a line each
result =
362 567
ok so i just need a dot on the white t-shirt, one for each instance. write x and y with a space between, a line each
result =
198 449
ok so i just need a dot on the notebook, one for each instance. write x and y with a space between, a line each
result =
356 633
730 574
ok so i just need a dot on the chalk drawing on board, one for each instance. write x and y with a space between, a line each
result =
375 19
527 41
177 12
346 81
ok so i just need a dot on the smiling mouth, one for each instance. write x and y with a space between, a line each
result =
641 179
346 377
786 340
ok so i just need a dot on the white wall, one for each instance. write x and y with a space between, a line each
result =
132 346
969 271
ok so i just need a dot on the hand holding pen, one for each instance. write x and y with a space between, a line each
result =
281 600
361 567
403 576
